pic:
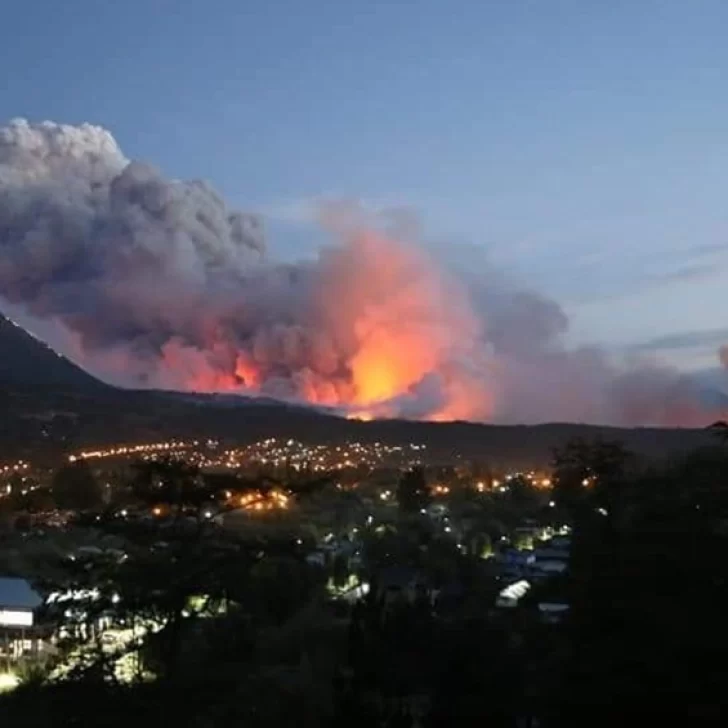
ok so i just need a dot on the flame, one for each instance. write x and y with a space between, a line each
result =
384 325
246 372
361 416
387 365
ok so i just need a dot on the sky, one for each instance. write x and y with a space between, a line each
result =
582 144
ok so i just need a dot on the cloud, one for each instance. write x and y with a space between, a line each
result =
710 249
711 338
597 278
157 282
696 272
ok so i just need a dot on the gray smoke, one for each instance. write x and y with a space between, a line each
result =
155 282
723 354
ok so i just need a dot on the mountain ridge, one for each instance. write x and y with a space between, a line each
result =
51 405
27 361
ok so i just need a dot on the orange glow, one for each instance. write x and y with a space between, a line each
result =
384 325
388 364
246 371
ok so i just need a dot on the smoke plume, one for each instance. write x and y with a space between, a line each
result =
153 282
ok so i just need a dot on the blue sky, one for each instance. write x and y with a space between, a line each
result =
583 143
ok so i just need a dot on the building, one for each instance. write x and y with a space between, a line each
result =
553 611
509 597
18 603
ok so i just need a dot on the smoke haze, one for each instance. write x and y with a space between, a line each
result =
153 282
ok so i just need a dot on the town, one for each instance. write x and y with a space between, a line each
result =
123 558
363 364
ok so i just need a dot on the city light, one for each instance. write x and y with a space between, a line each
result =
8 681
272 452
126 450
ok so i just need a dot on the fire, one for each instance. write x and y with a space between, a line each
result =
375 376
388 365
246 372
187 299
361 416
384 328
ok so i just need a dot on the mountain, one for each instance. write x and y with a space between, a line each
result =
51 407
27 362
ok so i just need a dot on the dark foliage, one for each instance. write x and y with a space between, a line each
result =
75 488
412 491
644 640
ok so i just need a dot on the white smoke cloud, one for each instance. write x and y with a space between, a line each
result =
148 281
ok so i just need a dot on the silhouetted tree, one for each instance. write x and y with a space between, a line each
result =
636 625
589 472
178 486
38 500
412 491
75 488
720 430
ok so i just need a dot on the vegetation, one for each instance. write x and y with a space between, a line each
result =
74 488
233 624
413 493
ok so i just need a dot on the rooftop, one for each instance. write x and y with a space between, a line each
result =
18 594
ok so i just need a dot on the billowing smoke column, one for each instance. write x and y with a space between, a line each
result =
152 282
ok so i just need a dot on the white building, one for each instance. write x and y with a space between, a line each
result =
18 602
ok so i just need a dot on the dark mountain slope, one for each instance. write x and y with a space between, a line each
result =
49 406
27 363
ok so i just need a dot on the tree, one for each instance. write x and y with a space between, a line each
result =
720 430
39 500
75 488
412 491
635 623
589 472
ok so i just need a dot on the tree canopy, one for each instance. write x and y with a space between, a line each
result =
74 487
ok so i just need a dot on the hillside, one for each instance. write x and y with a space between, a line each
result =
50 407
26 362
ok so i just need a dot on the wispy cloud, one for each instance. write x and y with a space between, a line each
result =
694 272
710 338
710 249
609 277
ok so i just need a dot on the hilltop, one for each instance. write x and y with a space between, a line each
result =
52 406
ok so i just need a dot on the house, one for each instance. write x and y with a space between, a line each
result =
18 604
512 594
401 584
546 567
552 557
553 611
550 551
514 564
319 557
515 557
561 542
